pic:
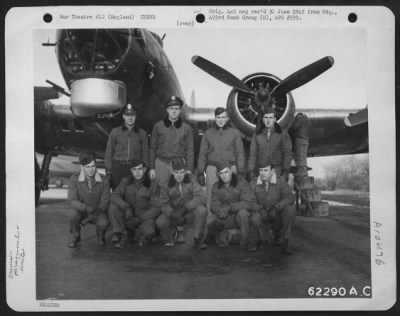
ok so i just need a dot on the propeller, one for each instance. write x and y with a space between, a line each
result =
221 74
264 96
302 76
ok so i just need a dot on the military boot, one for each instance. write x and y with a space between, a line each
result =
285 247
199 243
122 242
100 238
75 242
179 235
116 238
222 239
252 247
277 239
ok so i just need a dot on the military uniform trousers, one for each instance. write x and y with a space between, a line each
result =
281 226
163 172
168 224
75 218
143 229
242 220
300 155
119 170
211 178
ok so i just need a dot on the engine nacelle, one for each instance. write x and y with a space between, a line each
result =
244 111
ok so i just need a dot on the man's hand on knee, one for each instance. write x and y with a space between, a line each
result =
201 179
272 213
223 211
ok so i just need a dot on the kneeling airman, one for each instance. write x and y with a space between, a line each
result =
134 207
274 205
182 201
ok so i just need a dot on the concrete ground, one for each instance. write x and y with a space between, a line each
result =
329 251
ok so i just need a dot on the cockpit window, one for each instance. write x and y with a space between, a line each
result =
97 49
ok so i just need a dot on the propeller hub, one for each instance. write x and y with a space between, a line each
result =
263 94
263 99
244 109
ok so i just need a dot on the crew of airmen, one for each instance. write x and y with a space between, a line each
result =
156 192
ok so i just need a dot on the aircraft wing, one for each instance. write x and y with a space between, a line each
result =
357 118
330 135
330 132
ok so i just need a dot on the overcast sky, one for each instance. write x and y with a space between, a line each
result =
242 52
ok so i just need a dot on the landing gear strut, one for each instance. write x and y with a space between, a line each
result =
42 175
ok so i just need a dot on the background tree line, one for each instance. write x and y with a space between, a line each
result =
350 172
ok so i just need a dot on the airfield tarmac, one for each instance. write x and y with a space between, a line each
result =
331 251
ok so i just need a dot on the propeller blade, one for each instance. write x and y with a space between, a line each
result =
303 76
357 118
221 74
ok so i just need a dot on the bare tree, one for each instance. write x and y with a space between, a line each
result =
350 172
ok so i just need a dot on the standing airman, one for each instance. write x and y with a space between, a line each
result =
171 138
270 144
125 144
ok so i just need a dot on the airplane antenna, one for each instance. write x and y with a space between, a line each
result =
58 88
162 38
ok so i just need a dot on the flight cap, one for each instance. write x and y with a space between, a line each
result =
268 110
135 163
219 110
178 164
221 165
86 158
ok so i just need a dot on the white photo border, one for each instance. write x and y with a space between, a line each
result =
20 220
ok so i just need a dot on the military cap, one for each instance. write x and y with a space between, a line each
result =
174 100
219 110
268 110
129 110
135 163
178 164
86 158
221 165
